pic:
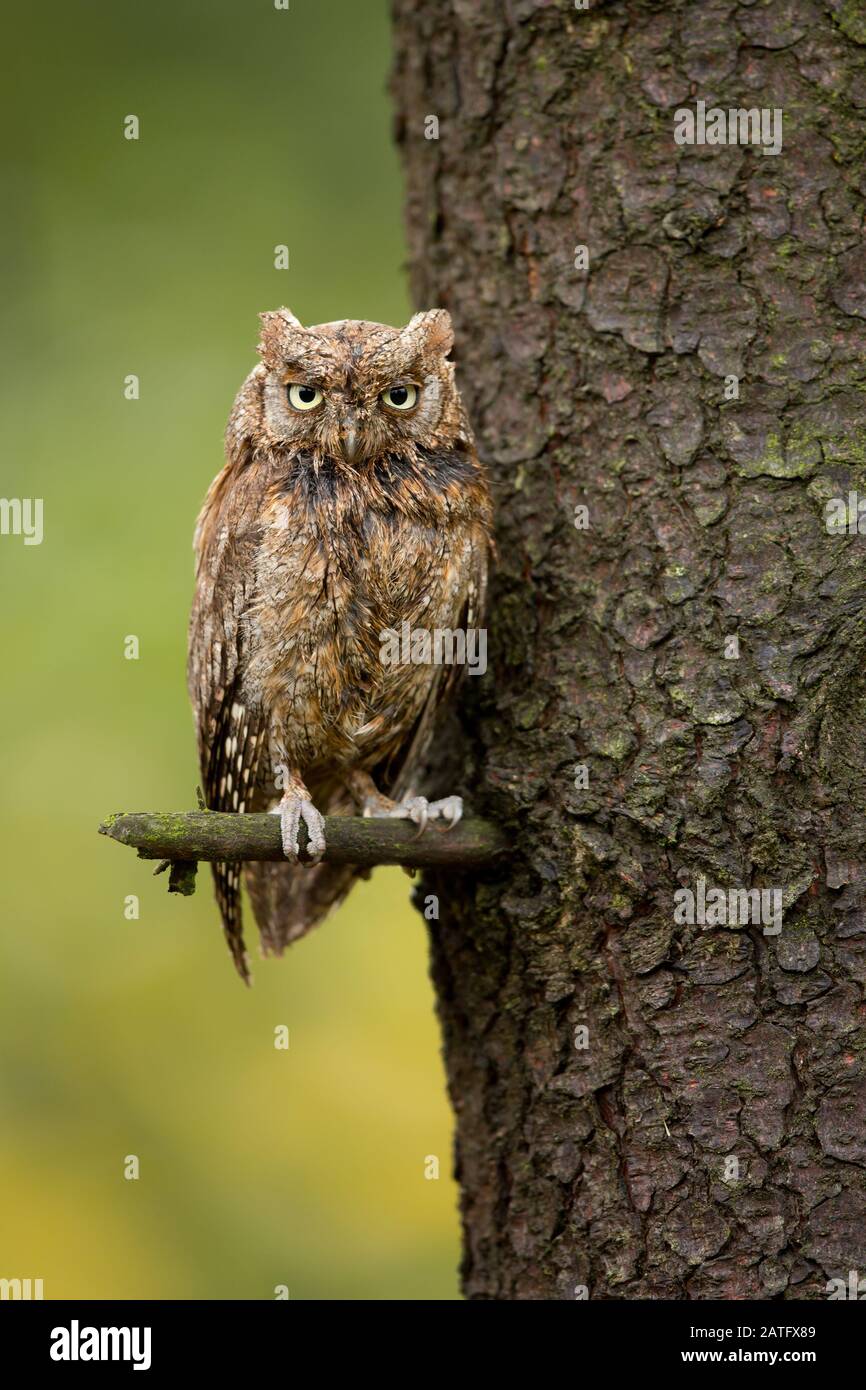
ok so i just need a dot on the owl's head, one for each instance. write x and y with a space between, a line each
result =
352 391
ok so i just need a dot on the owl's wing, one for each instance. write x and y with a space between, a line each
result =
230 729
397 779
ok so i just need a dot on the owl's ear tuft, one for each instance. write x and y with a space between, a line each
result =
434 326
280 336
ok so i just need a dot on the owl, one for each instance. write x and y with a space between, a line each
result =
352 506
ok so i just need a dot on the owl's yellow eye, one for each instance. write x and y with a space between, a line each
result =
400 397
304 397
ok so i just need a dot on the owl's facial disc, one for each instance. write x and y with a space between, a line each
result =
349 420
353 391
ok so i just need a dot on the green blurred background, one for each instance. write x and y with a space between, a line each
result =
259 1167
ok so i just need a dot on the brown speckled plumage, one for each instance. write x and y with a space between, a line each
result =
325 528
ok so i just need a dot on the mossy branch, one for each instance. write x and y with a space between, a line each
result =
184 837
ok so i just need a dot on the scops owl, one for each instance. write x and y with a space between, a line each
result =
352 503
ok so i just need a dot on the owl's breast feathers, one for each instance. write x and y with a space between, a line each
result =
322 563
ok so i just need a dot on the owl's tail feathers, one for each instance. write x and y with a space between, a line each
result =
289 899
227 885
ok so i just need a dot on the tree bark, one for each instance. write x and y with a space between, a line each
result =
601 1162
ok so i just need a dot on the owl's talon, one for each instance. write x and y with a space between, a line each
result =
291 811
422 811
449 809
415 809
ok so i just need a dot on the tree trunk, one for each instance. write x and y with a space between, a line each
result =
647 1106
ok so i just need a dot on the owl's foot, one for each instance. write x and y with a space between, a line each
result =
421 811
415 808
292 810
449 809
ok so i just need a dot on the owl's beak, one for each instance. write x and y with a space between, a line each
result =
349 438
349 444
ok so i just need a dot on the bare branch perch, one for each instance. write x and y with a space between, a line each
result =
187 836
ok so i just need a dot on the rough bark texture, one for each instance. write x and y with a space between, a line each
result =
606 1166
